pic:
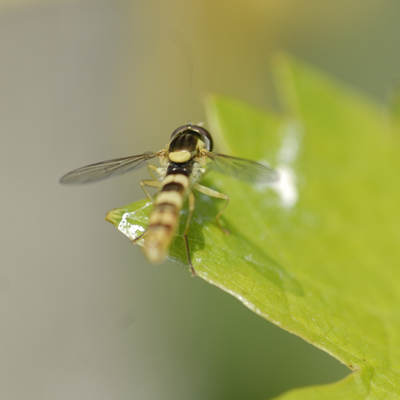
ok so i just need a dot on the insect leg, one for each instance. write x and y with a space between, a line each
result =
191 201
154 184
139 237
213 193
153 170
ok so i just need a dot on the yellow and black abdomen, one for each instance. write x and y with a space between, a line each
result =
164 219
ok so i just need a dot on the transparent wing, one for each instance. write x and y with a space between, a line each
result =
239 168
104 169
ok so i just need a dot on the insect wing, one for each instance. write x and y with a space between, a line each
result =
104 169
242 169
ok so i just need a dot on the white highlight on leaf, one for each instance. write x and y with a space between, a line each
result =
128 229
291 143
286 186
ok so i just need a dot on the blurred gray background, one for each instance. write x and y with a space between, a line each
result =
82 314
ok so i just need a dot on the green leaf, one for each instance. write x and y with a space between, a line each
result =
318 253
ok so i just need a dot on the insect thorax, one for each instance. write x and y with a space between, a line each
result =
182 169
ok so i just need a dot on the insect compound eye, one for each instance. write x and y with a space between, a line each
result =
202 133
178 131
205 136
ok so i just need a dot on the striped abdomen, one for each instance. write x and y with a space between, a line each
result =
164 219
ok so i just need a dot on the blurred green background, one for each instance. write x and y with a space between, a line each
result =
83 315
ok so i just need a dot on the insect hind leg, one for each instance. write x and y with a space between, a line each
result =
213 193
134 241
191 201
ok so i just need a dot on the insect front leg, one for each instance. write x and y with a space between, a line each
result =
213 193
192 202
154 184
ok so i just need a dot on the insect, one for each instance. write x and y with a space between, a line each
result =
183 163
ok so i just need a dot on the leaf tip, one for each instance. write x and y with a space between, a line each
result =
113 217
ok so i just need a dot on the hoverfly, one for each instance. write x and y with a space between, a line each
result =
183 163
